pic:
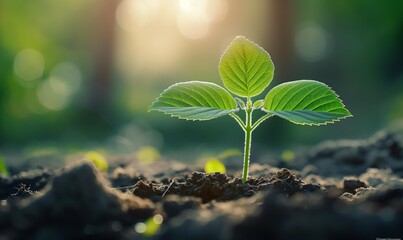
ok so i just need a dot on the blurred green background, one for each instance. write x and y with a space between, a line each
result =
82 72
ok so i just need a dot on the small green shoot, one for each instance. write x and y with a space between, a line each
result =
246 70
214 165
3 168
98 159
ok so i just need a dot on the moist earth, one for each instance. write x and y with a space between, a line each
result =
336 190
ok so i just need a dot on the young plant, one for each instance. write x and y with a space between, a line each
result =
246 70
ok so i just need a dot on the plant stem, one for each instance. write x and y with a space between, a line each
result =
248 128
248 142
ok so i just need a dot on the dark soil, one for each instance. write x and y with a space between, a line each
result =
337 190
221 187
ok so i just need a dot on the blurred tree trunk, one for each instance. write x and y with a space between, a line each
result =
279 43
101 81
282 49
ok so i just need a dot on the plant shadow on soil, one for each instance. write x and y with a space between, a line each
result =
336 190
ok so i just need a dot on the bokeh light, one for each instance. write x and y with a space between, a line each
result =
288 155
140 227
311 42
66 78
29 64
147 154
98 159
214 165
49 96
158 219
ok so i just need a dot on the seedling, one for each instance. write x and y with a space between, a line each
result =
246 70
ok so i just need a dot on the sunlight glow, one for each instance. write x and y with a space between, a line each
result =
193 17
193 26
192 5
196 16
217 10
132 15
155 33
149 51
211 10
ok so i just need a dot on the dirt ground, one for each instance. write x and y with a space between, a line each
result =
336 190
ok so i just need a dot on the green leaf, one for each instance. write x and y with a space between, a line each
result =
195 101
305 102
245 68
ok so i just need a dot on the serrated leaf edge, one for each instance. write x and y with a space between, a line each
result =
313 124
191 119
196 119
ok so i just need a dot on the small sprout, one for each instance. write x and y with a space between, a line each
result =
214 165
246 70
98 159
147 154
258 104
150 227
3 168
288 156
249 103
